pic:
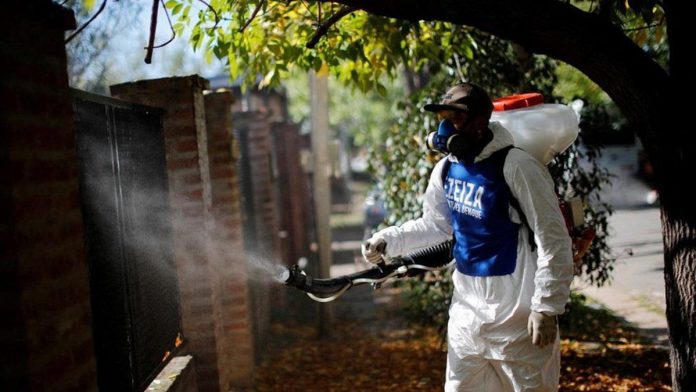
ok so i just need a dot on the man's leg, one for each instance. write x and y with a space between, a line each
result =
471 374
537 370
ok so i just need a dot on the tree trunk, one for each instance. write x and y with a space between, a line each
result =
678 211
676 161
680 271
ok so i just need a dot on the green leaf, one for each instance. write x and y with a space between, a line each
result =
268 78
88 4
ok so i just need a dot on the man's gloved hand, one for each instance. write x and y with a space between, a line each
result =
373 249
542 328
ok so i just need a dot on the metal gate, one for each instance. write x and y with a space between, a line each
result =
125 207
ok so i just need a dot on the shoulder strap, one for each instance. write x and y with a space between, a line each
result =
516 204
445 170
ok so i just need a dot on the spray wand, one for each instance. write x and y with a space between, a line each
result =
412 264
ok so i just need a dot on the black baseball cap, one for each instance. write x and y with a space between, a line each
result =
465 97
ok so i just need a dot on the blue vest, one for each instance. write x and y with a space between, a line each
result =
485 239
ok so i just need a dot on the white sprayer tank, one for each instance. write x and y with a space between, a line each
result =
542 129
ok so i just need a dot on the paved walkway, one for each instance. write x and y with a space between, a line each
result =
637 289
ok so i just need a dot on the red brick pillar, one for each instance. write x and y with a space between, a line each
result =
45 333
190 198
292 183
238 356
258 169
263 173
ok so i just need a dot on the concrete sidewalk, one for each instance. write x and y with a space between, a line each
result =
636 291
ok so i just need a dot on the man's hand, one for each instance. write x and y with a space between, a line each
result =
373 249
542 328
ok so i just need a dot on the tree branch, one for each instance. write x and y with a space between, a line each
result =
253 15
210 7
79 30
324 27
166 13
459 68
308 8
646 27
318 12
153 30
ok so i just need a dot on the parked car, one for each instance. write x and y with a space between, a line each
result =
374 210
630 187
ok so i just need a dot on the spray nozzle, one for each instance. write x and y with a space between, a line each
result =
283 275
291 275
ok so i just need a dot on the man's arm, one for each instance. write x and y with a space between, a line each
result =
433 227
531 184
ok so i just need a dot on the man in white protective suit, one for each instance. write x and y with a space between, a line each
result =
511 247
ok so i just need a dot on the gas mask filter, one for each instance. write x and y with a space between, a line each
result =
437 141
446 140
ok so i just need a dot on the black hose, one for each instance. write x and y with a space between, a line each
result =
298 279
412 264
432 257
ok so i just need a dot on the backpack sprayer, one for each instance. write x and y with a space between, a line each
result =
413 264
543 130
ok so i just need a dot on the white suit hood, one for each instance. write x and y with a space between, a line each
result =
501 139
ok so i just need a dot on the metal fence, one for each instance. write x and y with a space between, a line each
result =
125 207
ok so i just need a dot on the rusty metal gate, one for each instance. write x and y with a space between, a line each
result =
125 207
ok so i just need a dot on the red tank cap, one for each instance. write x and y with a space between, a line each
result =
517 101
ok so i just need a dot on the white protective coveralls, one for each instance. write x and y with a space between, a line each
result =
489 348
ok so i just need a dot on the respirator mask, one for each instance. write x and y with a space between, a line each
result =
447 140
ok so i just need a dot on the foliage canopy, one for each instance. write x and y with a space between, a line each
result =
269 38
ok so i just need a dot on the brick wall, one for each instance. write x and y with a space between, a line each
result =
259 211
46 331
238 350
263 168
186 145
270 103
295 205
